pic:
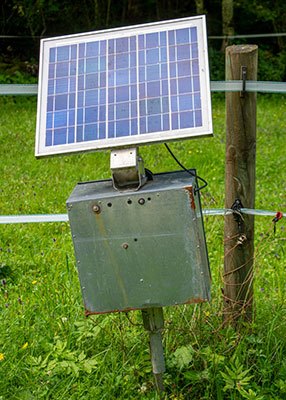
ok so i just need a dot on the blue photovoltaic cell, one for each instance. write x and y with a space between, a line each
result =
118 87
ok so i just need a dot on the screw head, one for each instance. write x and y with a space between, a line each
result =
96 208
141 201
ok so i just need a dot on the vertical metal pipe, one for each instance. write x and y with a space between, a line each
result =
153 320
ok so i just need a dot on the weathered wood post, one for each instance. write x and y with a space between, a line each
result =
241 63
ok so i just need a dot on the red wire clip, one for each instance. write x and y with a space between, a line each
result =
278 216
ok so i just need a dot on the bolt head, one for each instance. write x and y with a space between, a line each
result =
96 208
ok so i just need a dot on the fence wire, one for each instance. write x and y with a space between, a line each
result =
242 36
216 86
39 218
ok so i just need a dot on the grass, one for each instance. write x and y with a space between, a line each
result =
48 350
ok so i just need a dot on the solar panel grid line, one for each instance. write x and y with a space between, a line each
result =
130 113
112 89
137 87
176 75
65 99
82 84
71 117
134 106
160 79
74 98
168 80
110 78
105 123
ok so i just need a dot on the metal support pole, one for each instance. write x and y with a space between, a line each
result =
153 321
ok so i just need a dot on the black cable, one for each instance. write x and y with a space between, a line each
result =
149 174
187 170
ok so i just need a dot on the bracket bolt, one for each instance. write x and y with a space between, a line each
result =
242 238
141 201
96 208
125 246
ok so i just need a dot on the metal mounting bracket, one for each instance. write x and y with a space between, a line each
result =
243 77
127 167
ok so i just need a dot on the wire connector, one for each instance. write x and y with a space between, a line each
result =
237 215
278 216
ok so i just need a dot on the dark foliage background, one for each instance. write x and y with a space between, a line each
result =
30 20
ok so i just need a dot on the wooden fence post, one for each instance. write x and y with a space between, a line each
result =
241 62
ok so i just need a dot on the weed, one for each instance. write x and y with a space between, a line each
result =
48 350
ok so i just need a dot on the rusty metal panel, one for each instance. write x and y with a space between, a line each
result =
139 249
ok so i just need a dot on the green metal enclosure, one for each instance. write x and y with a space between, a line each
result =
140 249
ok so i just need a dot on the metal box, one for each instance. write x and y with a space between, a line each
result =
139 249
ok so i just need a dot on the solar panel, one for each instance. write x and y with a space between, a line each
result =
124 86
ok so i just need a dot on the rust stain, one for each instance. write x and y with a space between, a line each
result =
100 224
88 312
196 300
189 189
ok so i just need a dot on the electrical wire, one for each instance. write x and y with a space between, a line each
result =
187 170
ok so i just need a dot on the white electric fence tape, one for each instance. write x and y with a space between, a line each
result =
216 86
23 219
18 89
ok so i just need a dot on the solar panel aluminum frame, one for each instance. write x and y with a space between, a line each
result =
42 149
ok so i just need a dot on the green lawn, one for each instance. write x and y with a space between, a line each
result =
48 350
